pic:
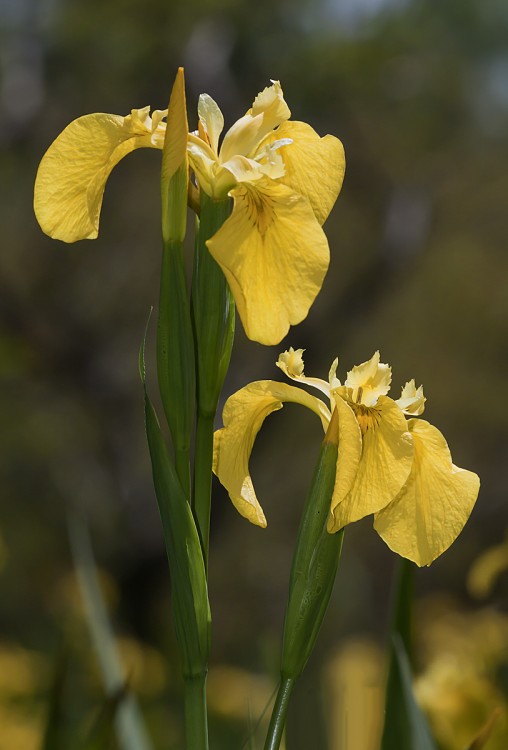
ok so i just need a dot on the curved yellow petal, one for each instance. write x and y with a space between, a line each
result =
291 364
348 460
385 464
274 255
72 175
267 112
314 166
435 503
211 119
243 415
412 401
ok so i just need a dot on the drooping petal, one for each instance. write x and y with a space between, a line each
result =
412 401
435 503
211 119
291 364
243 415
385 464
368 381
267 112
274 255
314 166
348 460
73 172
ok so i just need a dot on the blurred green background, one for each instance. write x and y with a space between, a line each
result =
418 93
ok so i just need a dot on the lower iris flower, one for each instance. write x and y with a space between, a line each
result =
390 463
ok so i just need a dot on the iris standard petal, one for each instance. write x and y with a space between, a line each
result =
274 255
368 381
267 112
412 401
348 459
243 415
72 175
387 457
211 119
314 166
435 503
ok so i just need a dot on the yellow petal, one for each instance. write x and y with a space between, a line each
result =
274 255
72 174
433 506
243 415
368 381
314 166
385 464
211 119
267 112
412 401
291 364
348 460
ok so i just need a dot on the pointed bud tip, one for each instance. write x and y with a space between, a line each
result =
332 433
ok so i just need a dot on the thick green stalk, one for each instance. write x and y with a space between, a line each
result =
196 724
175 357
203 476
175 344
278 718
315 563
213 317
313 572
396 725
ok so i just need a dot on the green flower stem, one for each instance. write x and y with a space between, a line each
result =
278 719
196 722
175 357
203 476
213 317
315 562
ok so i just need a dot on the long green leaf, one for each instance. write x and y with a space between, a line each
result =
419 737
130 727
191 608
405 726
53 731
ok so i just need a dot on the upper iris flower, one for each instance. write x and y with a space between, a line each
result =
399 469
283 178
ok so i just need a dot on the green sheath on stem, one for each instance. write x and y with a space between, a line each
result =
313 572
175 358
213 313
175 344
315 563
191 609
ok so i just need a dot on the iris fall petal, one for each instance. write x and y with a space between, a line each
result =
314 166
243 415
73 172
386 461
274 255
435 503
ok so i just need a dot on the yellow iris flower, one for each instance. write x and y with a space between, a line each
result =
399 469
282 177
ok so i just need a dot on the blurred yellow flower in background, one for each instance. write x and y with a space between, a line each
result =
399 469
461 688
354 681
